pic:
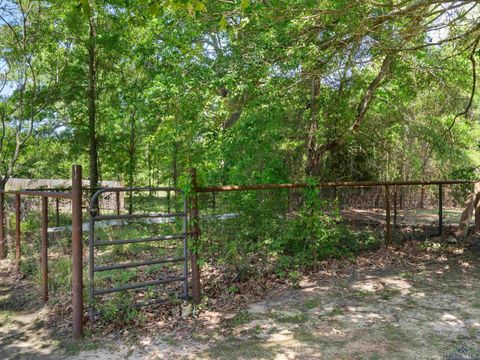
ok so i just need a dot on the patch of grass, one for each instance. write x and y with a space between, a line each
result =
311 303
387 294
472 333
292 319
74 347
234 350
336 311
59 274
241 318
170 340
6 316
306 336
407 275
361 294
203 337
256 330
431 246
395 334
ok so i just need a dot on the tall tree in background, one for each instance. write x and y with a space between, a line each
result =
29 81
92 95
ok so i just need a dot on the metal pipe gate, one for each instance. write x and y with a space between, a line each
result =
94 217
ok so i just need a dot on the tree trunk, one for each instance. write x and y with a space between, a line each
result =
175 172
92 111
132 159
313 156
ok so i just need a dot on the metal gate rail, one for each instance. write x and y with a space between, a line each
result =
92 244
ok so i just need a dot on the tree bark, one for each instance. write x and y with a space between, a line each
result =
175 172
370 91
132 160
92 108
313 156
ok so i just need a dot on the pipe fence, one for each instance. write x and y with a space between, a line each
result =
75 197
249 213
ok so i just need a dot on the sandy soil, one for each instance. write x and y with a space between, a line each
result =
421 310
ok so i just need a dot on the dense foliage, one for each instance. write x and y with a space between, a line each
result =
245 91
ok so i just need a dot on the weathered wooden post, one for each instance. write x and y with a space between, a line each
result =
440 209
2 227
77 252
44 249
387 208
18 251
195 234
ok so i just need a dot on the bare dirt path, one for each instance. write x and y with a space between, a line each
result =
422 310
425 310
22 320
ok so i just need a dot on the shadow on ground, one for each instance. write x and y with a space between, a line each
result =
423 310
23 330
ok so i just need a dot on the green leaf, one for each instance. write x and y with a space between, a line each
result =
244 4
85 6
223 23
200 7
191 10
154 8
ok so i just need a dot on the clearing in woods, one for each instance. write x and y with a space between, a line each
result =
417 302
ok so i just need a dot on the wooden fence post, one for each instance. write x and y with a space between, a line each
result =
387 208
77 252
18 251
195 229
2 226
44 249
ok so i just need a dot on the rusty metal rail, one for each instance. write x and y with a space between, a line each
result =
48 194
386 185
338 184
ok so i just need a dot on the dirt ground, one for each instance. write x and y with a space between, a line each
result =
390 307
415 217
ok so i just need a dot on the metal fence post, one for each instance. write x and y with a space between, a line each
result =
387 208
18 251
2 227
440 210
44 249
77 252
57 211
194 217
117 201
395 208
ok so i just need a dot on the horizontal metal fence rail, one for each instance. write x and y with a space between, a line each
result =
94 218
132 241
208 189
138 216
386 185
51 194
